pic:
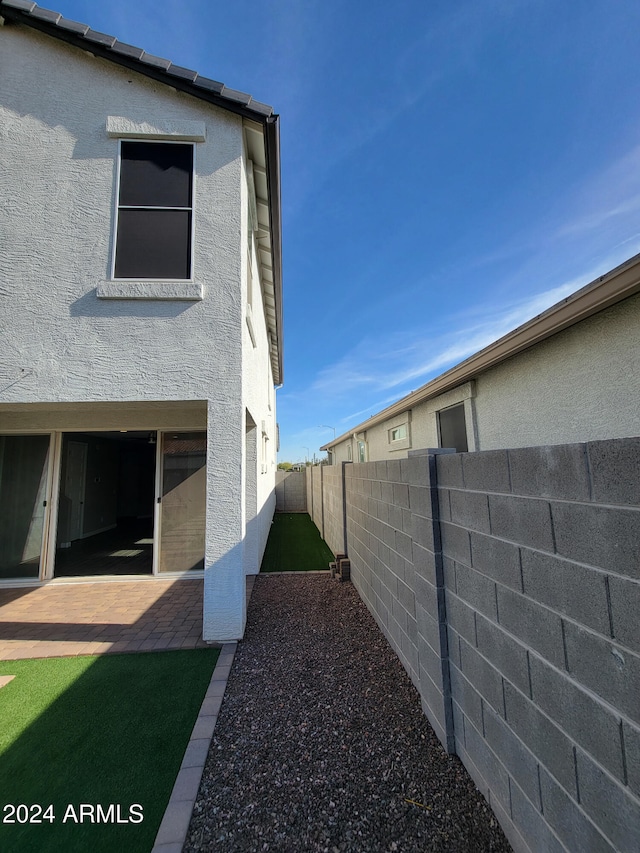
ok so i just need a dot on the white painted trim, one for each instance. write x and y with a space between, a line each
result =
186 291
51 510
192 265
120 127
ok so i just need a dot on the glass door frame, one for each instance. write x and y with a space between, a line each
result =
50 509
157 506
53 502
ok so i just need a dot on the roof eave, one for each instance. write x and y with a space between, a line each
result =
155 72
272 145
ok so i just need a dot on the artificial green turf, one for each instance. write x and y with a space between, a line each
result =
295 545
95 730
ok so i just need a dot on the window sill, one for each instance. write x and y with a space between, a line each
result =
400 444
186 291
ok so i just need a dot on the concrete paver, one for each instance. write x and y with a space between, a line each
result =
100 617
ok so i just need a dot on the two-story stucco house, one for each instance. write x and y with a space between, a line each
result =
140 316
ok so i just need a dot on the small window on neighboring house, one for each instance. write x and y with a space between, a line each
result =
362 451
398 433
452 428
349 453
155 211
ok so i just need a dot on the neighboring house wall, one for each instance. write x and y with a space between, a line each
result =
291 491
507 582
175 359
349 449
582 384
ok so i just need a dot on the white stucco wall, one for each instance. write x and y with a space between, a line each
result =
61 343
340 453
59 173
259 400
583 384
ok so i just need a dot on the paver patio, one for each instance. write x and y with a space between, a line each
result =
99 617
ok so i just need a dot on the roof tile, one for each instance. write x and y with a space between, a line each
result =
127 50
209 84
73 26
100 38
234 95
259 107
184 73
156 61
22 5
46 15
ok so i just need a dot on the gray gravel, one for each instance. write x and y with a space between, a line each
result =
321 740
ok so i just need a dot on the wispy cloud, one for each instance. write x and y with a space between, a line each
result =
608 199
416 355
594 227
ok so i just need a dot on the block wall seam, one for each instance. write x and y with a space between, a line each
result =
441 603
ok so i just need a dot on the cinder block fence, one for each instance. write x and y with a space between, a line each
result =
291 491
508 583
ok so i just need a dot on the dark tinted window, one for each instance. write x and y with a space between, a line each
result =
153 174
154 240
153 244
453 428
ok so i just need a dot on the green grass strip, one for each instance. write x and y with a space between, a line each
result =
108 730
295 545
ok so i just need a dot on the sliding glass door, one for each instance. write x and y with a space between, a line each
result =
24 473
182 501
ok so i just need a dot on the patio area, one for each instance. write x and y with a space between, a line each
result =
100 617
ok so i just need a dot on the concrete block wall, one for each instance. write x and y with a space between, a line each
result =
325 502
314 496
291 491
333 503
393 545
379 546
541 554
316 475
508 583
309 491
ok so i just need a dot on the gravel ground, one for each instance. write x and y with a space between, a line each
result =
321 740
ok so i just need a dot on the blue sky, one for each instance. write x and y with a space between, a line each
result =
449 170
